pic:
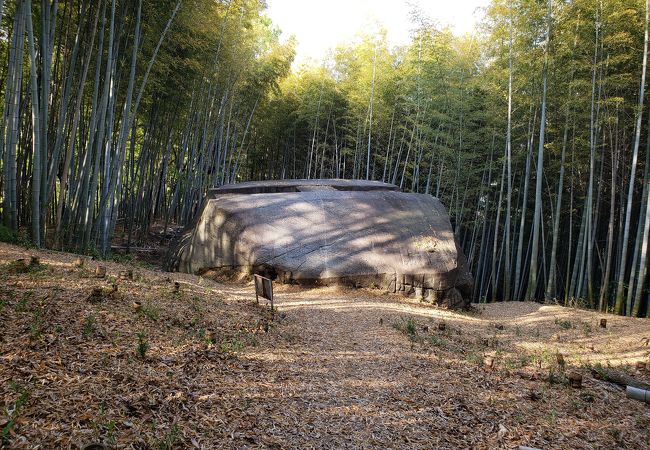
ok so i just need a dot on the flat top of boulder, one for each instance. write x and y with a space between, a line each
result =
278 186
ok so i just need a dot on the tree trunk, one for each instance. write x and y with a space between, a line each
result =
618 305
532 281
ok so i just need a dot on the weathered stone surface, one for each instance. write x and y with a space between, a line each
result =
357 233
283 186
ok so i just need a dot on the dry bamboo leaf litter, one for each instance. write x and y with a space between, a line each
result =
338 369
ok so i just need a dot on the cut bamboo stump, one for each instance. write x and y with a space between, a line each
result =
100 272
96 295
603 323
126 275
575 379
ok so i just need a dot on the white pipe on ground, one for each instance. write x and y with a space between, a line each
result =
638 394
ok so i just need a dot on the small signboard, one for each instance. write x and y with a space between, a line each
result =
264 289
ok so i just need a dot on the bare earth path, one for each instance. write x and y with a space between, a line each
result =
341 375
339 378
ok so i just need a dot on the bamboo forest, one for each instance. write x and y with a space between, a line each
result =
283 224
533 130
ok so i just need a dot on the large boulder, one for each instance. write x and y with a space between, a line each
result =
358 233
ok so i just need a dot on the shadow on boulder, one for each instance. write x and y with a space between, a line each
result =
323 232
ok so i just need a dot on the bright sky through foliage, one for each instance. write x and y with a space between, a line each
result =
320 25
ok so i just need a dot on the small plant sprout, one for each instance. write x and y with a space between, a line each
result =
13 413
36 327
409 327
143 345
564 324
89 325
150 312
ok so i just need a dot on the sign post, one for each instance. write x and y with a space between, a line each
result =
264 289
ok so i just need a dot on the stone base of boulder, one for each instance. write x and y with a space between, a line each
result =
451 298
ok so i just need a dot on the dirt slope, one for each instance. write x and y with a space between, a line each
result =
337 369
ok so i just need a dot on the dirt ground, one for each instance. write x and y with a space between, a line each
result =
202 366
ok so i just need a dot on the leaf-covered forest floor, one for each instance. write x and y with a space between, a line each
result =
201 366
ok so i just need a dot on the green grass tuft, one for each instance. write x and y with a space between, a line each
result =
143 345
